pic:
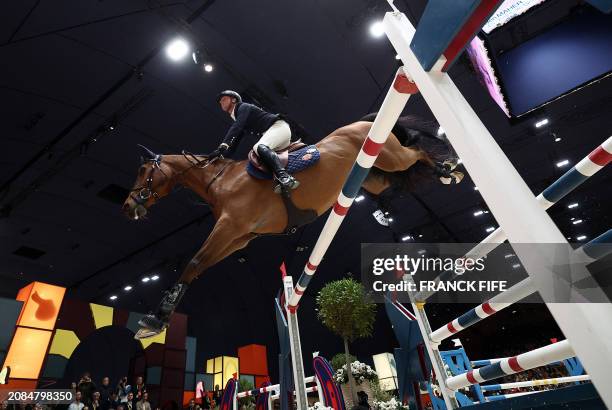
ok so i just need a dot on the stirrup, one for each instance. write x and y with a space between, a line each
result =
290 183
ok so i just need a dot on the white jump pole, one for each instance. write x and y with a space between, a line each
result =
529 360
535 383
504 192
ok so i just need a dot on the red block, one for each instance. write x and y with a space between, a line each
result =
253 360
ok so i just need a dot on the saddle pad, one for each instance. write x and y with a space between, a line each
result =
298 161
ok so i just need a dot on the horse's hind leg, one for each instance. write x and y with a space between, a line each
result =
395 157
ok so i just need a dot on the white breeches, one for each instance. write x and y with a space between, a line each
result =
277 137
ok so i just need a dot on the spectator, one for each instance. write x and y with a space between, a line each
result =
206 405
73 387
143 403
105 391
86 387
123 389
95 401
191 405
362 401
129 403
112 403
140 388
76 404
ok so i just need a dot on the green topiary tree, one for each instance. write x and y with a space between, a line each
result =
345 309
339 360
244 385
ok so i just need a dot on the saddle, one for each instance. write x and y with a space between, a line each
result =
296 157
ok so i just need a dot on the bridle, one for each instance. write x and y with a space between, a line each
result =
146 191
141 194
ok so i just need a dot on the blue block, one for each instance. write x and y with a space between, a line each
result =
154 375
10 309
189 382
206 379
602 5
190 346
55 366
439 24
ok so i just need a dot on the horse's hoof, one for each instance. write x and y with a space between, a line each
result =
145 334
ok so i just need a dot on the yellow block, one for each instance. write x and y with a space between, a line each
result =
160 338
102 315
64 343
210 368
230 366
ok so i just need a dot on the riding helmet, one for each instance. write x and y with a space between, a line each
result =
229 93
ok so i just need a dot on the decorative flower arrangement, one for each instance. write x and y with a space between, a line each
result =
361 372
392 404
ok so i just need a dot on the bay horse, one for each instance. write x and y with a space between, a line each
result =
245 208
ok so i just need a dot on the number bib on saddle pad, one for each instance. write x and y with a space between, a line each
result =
296 162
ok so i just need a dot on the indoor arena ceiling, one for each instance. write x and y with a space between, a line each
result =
83 81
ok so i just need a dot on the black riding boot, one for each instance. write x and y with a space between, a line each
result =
156 323
271 160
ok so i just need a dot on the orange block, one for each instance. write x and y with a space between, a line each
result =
27 352
253 360
41 304
187 395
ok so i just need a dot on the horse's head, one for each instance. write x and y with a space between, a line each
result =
152 183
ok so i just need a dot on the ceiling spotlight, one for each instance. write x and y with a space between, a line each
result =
197 57
574 205
509 255
541 123
490 229
127 288
478 213
208 68
377 29
390 219
406 238
516 265
154 277
359 198
557 139
146 279
581 237
577 221
113 297
562 163
177 49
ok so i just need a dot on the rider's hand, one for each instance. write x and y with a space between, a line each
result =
218 152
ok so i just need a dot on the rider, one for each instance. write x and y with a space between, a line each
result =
275 135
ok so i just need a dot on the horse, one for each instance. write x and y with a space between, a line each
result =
412 155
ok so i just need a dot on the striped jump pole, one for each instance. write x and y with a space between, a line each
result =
509 396
391 108
535 383
308 390
268 389
591 250
583 170
529 360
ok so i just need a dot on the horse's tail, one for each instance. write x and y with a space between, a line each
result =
422 135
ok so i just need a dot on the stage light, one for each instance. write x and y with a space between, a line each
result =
574 205
154 277
146 279
490 229
578 221
541 123
377 29
478 213
113 297
359 198
516 265
208 68
127 288
562 163
406 238
581 237
557 139
177 49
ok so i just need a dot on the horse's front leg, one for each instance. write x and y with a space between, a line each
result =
226 238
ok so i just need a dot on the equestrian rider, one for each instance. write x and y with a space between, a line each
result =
275 135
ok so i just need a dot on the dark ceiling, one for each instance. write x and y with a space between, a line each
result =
71 70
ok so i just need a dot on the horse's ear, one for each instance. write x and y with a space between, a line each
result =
147 154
